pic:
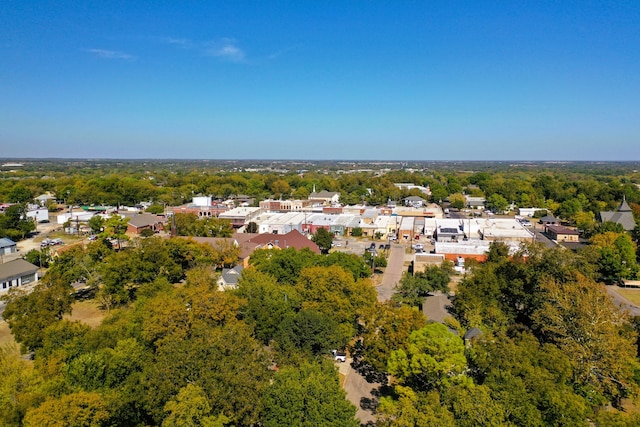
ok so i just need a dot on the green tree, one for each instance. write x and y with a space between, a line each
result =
533 382
266 303
96 223
191 409
323 238
115 227
614 254
411 409
434 359
582 321
20 387
155 209
309 331
457 201
383 328
497 203
284 265
14 223
20 194
472 406
28 315
79 409
307 396
415 287
333 292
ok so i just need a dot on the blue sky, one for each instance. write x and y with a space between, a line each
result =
358 80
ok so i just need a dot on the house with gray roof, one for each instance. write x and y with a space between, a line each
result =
414 201
230 277
17 273
140 222
623 216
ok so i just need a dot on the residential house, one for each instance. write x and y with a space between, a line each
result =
43 199
141 222
549 220
17 273
414 201
230 277
475 202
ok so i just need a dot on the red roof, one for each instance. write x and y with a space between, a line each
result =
293 239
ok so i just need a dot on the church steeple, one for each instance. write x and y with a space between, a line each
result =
624 206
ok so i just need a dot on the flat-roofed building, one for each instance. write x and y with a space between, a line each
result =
241 216
469 249
17 273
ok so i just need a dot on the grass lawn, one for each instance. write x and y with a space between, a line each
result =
87 312
633 295
5 335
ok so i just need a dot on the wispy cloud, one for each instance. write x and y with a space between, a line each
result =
110 54
180 42
226 50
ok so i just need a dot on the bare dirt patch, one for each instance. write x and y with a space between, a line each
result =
87 312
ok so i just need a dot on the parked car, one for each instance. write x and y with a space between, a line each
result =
339 356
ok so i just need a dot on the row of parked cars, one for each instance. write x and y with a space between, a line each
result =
51 242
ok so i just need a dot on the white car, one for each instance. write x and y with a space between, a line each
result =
339 356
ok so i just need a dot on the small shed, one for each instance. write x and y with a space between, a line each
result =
7 246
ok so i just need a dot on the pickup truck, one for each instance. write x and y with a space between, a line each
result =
339 356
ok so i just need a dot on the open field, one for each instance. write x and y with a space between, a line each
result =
87 312
84 311
633 295
5 334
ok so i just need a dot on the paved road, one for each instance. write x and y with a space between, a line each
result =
356 388
393 272
541 238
